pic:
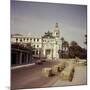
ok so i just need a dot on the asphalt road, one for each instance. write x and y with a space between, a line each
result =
32 77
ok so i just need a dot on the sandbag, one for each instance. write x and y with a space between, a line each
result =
61 66
67 73
47 72
55 69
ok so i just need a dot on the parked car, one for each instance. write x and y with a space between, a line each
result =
39 62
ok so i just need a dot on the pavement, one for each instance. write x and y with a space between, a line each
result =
80 78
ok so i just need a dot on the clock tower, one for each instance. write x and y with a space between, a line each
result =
56 32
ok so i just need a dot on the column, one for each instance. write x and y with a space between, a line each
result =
20 58
35 52
26 57
17 60
38 53
30 57
52 53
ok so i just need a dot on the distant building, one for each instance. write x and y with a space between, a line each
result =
47 45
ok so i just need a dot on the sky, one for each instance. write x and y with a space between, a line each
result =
35 18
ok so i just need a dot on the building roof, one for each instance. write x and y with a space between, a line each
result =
48 35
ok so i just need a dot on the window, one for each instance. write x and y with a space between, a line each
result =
34 39
27 39
48 52
56 33
16 39
20 40
31 39
37 52
34 46
37 45
33 52
44 40
37 40
24 39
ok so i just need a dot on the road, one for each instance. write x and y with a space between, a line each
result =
31 77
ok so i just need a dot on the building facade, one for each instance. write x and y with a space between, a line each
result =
45 46
20 54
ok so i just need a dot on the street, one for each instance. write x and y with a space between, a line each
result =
32 77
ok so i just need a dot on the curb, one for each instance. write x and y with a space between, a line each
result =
21 66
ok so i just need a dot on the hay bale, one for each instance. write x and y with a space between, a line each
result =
47 72
68 73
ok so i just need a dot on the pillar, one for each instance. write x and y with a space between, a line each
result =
26 57
35 52
20 58
17 62
52 53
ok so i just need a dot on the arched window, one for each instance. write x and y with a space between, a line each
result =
27 39
36 52
21 40
37 39
34 46
16 39
37 46
34 39
24 39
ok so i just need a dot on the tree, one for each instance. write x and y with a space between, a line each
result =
73 43
85 40
65 49
84 53
62 39
65 44
74 50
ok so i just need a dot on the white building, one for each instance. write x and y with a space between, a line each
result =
47 45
